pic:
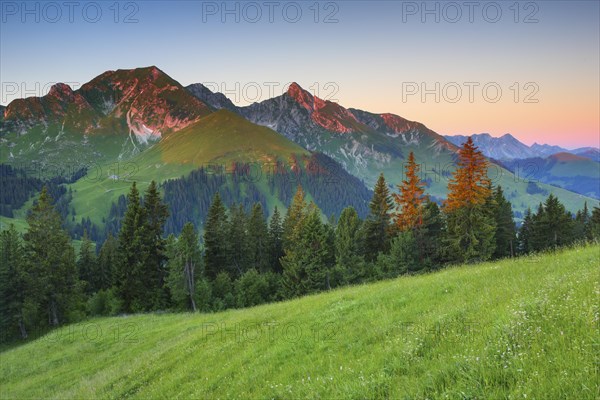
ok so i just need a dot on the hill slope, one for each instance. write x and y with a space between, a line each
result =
513 329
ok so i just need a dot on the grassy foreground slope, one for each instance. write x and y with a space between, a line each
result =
525 328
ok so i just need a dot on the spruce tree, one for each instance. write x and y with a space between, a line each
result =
238 242
276 241
87 265
215 239
129 286
553 225
377 224
348 256
13 285
54 287
595 223
306 265
411 199
470 225
258 240
505 226
184 268
107 262
294 217
152 268
525 245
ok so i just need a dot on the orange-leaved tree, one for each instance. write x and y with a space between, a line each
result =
411 199
470 185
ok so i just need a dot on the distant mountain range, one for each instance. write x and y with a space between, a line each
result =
144 119
507 147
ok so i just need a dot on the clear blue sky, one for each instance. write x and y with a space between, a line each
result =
363 54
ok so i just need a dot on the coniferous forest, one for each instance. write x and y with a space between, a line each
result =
241 257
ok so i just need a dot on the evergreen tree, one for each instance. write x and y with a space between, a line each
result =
505 226
129 287
402 257
276 241
582 226
470 225
54 287
348 257
377 224
152 271
595 223
306 264
294 217
428 237
525 245
13 285
552 225
258 240
106 264
184 268
411 199
215 239
239 249
86 265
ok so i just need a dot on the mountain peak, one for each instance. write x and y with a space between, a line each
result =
303 97
60 90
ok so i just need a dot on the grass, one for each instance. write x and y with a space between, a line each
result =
524 328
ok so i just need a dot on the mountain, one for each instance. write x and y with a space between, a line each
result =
367 144
569 171
500 148
474 331
116 115
546 149
141 125
507 147
217 101
592 153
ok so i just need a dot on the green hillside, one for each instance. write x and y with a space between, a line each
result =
524 328
219 139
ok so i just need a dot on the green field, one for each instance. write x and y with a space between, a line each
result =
525 328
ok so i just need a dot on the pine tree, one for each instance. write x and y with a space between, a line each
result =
106 264
306 265
411 199
276 241
294 217
582 227
595 223
13 285
470 225
152 269
428 237
215 239
258 240
238 242
184 268
525 238
129 287
505 226
377 224
348 257
402 257
86 265
470 185
553 225
55 287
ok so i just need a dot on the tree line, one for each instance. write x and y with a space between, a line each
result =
242 258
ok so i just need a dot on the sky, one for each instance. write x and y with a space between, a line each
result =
529 68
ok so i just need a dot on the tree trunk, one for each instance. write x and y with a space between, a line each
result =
53 313
22 329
